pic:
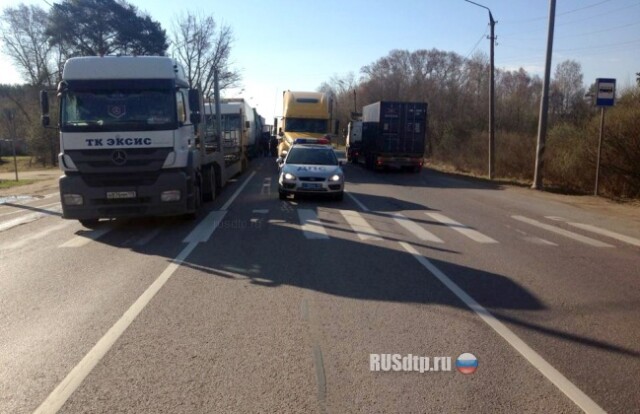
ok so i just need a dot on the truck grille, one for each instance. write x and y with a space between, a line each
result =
129 160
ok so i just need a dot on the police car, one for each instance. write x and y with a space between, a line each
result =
311 169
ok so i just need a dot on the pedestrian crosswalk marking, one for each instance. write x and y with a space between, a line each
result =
461 228
562 232
310 224
414 228
360 226
86 238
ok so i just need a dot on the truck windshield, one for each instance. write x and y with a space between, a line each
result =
306 125
230 122
116 110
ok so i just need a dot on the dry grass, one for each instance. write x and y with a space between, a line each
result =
25 163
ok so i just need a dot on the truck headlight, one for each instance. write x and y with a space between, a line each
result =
171 195
289 177
335 177
72 199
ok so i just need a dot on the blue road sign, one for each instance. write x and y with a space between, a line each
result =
605 92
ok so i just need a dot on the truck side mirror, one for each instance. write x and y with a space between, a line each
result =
44 108
194 106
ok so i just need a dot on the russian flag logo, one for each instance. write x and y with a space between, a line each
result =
467 363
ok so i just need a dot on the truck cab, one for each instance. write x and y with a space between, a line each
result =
128 142
305 115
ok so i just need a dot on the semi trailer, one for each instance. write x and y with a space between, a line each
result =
393 135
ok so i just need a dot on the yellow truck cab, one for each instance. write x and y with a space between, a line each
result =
305 115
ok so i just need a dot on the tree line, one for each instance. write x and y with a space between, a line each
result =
38 42
457 91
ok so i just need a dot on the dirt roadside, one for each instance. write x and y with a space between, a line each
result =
46 182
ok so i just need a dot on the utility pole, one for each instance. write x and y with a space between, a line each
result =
492 95
544 103
597 185
216 97
355 102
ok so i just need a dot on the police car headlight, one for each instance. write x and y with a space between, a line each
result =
289 177
335 177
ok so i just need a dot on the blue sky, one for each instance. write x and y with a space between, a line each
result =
286 44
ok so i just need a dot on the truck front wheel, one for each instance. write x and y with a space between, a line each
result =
89 223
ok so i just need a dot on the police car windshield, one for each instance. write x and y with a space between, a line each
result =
314 156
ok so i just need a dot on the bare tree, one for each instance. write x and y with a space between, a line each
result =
22 30
203 47
568 83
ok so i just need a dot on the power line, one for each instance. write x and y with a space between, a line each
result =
544 18
476 45
610 29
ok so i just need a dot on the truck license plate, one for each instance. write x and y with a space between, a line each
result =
112 195
311 186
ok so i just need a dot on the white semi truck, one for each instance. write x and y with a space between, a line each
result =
241 126
132 141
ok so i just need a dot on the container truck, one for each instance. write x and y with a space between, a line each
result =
132 141
393 135
304 115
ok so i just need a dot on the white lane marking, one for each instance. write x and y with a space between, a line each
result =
266 186
567 387
238 191
86 238
562 232
147 238
461 228
541 241
534 239
362 206
360 226
414 228
32 207
25 240
28 218
261 211
608 233
205 229
311 226
555 218
72 381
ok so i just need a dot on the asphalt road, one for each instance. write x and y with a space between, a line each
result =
262 305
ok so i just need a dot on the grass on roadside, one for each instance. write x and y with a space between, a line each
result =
4 184
25 163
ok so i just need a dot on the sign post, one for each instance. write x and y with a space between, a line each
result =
605 96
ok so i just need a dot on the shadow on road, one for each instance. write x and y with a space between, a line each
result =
270 251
